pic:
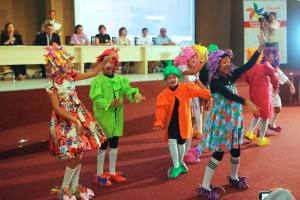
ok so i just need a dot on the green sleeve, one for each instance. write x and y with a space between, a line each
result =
97 96
128 90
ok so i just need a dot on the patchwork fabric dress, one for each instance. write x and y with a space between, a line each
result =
224 126
65 140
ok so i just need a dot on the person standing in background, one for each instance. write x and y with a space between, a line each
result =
102 38
272 27
9 36
51 20
78 37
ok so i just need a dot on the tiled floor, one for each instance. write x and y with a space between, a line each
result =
40 83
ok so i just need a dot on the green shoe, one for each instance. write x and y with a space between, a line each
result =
184 169
174 172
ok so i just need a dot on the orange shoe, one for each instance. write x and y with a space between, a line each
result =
119 177
103 180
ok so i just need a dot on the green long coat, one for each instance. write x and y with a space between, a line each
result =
103 91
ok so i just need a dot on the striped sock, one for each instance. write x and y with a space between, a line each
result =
234 167
209 172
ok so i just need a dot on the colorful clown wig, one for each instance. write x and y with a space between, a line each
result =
115 57
266 56
185 55
213 62
56 58
212 47
171 70
250 52
202 52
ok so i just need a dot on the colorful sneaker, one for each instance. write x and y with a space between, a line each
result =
84 193
174 172
119 177
193 156
63 193
240 183
264 141
184 169
250 136
213 194
103 180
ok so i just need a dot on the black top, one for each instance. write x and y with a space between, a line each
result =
41 39
5 37
203 76
103 38
218 84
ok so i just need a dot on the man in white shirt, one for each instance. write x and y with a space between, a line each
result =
144 40
51 20
272 26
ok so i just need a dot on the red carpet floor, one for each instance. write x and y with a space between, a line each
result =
144 157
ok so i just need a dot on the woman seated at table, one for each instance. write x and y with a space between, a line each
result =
122 40
9 36
78 37
102 38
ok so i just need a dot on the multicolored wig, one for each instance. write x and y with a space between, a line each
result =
185 55
202 52
266 56
56 58
171 70
115 58
213 62
250 52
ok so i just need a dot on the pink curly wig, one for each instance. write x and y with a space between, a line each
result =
185 55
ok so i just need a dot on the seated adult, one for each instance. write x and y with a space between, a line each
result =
78 37
51 20
102 38
122 39
10 36
144 39
46 39
163 39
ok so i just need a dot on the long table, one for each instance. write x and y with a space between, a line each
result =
27 55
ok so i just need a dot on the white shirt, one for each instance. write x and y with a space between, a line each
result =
56 25
273 34
144 41
188 78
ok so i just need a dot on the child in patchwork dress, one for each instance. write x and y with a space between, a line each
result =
224 126
73 129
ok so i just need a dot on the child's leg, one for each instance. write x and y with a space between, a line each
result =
198 118
69 172
235 161
263 129
101 158
174 152
235 180
188 146
75 178
211 168
253 124
275 116
181 149
113 152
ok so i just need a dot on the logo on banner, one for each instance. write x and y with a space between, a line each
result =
254 12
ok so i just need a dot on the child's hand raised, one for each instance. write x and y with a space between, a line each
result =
138 97
115 103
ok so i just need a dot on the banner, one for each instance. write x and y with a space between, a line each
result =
253 10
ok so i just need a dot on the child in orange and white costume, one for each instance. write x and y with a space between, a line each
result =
73 129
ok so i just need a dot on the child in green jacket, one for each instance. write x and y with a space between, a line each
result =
107 93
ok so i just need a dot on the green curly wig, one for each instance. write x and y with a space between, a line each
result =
171 70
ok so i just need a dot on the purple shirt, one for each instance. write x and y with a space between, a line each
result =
79 39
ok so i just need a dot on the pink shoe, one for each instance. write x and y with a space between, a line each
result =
193 156
85 193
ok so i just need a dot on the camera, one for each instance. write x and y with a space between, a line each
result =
263 195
